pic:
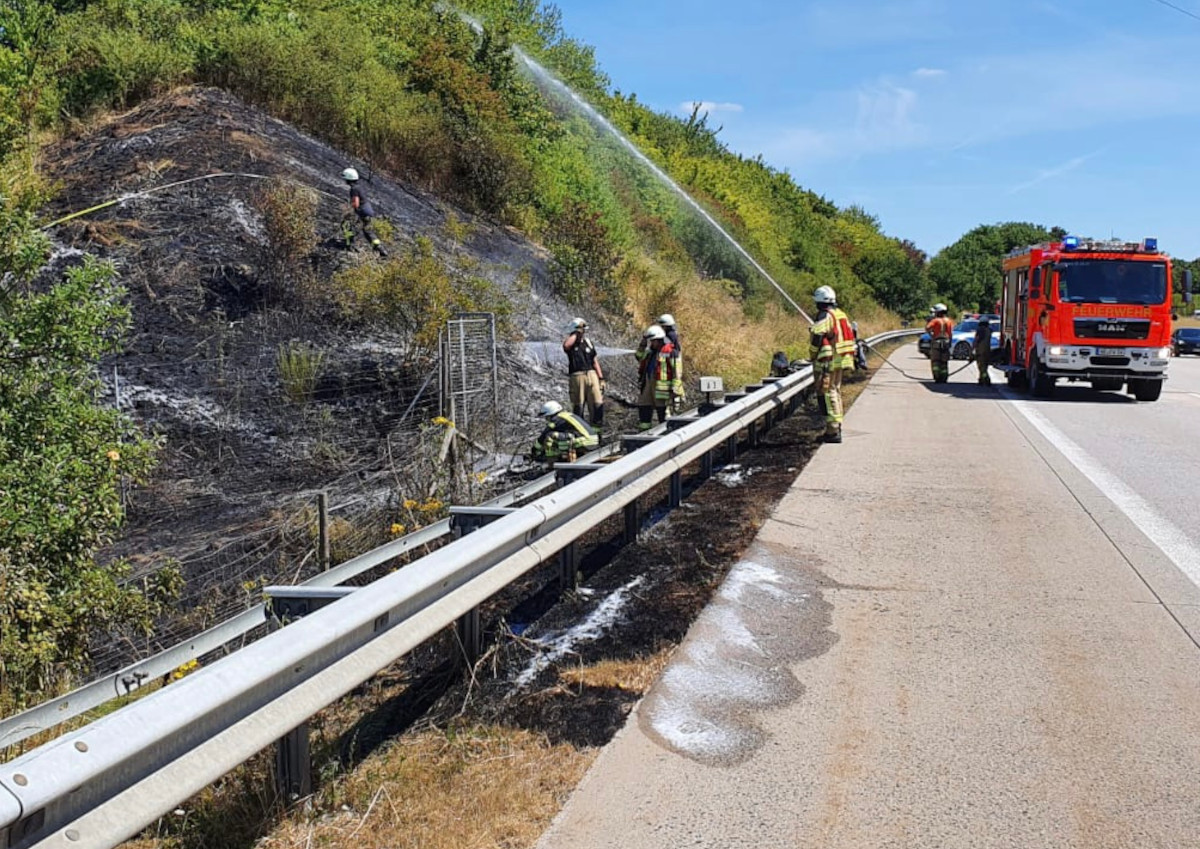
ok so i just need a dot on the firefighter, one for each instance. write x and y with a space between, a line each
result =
667 322
361 207
565 434
939 328
657 381
584 373
983 350
831 349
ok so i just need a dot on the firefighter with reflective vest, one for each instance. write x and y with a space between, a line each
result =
667 322
565 435
658 382
584 373
940 328
831 349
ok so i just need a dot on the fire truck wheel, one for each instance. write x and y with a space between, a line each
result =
1146 390
1040 386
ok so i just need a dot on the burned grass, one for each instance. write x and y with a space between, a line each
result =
425 756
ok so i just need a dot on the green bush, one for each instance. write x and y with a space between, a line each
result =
416 293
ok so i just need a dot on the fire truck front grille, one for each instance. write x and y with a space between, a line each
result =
1110 361
1112 328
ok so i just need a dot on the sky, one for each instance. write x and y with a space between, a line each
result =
937 116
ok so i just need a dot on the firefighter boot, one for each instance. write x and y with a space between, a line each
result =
834 436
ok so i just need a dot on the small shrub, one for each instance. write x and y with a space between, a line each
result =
289 214
417 293
300 367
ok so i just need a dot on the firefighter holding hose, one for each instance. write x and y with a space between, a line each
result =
831 349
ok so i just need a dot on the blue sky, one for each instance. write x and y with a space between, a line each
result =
937 116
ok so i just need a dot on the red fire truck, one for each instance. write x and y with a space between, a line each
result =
1085 310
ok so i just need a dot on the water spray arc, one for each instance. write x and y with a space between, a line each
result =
548 79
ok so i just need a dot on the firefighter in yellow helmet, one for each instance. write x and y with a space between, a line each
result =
831 349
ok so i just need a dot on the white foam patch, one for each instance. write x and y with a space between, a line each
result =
724 667
189 408
247 220
749 575
733 475
598 622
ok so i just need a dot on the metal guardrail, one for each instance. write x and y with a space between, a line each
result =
130 679
103 783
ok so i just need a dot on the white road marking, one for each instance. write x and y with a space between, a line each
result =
1173 542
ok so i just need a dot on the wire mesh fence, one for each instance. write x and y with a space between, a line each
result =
250 444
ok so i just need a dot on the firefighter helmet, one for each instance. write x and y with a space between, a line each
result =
578 324
666 320
939 308
654 332
350 175
825 295
551 408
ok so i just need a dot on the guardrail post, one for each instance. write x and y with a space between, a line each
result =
676 497
568 567
470 636
293 765
706 465
632 521
323 530
731 448
754 434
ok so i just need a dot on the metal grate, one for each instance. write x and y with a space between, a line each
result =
470 388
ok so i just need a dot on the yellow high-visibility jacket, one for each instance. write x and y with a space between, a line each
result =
831 343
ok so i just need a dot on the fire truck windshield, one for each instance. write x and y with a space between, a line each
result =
1112 282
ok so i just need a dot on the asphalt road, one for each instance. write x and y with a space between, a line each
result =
970 625
1146 456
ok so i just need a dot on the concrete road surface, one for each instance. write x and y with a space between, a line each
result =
947 636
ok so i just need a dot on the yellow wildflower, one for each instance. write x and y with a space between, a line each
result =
409 504
397 529
113 455
443 421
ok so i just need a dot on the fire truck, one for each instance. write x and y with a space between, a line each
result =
1084 310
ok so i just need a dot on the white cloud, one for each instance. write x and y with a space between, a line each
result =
928 73
1045 174
709 106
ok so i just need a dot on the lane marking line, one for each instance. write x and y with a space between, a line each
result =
1160 530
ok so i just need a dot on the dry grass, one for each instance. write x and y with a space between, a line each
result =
478 786
718 337
635 674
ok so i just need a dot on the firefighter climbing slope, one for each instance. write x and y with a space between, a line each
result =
940 328
362 209
831 349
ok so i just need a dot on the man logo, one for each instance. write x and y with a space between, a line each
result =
1111 328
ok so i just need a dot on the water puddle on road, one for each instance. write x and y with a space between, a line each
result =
767 616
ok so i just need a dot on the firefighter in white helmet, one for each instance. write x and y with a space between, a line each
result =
360 207
565 434
584 373
831 349
667 322
940 329
657 380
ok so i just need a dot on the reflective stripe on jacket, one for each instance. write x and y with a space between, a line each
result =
939 327
831 343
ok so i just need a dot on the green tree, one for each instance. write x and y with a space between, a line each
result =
63 455
968 272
